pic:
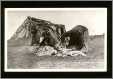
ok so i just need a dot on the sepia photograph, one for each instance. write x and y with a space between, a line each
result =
55 39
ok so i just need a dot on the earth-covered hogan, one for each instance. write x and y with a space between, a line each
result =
28 48
41 33
32 29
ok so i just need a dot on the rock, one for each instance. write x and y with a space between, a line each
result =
48 50
45 50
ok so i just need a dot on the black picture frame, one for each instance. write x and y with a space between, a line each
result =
59 4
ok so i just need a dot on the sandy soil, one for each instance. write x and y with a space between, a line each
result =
21 57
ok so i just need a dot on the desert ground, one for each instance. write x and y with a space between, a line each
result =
21 57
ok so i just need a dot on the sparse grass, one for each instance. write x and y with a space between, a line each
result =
21 57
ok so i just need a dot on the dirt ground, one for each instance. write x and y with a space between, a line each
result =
21 57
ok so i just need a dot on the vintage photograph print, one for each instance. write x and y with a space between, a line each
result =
56 40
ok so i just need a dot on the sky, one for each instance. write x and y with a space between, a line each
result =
95 19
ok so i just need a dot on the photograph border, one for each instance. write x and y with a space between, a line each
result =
60 4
